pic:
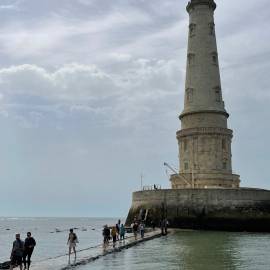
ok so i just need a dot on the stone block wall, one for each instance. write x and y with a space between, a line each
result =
219 209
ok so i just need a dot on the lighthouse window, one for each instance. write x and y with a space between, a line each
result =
191 59
214 58
192 28
212 29
218 94
185 145
189 94
223 144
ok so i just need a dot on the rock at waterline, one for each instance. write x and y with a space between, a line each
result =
5 265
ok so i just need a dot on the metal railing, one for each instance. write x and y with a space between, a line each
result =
152 187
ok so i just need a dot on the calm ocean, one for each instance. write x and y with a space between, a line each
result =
187 250
49 242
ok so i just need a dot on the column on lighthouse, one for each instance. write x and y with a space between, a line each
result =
204 139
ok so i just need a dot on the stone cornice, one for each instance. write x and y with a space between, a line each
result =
193 3
203 111
204 131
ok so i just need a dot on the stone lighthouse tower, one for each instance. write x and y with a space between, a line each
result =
205 193
204 139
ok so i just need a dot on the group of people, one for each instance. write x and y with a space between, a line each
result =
22 251
138 227
116 233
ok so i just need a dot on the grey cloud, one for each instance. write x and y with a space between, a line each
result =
88 89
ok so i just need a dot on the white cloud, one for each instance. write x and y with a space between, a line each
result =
8 7
121 57
70 82
20 39
119 97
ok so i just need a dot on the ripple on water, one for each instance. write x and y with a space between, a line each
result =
193 250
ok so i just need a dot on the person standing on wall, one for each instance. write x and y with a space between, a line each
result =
29 245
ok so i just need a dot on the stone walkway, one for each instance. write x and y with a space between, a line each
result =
90 254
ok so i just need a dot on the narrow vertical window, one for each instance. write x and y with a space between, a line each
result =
212 29
192 29
224 165
189 94
214 57
186 166
217 91
224 145
185 145
191 59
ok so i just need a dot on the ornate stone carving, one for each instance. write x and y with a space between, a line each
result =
193 3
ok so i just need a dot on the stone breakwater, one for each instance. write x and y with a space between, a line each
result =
243 209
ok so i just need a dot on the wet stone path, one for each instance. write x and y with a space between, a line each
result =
91 254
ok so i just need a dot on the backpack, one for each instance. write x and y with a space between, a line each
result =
76 238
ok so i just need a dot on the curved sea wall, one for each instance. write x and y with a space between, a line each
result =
243 209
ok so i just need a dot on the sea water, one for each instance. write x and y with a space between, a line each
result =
193 250
51 234
187 250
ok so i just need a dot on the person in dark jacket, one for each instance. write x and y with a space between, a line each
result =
29 245
17 252
106 234
135 230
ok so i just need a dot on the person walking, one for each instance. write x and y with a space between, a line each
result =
114 234
118 229
142 230
106 235
17 252
29 245
122 232
135 230
72 242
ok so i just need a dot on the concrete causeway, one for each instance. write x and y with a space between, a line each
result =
91 254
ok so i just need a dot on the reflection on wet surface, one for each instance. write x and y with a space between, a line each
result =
193 250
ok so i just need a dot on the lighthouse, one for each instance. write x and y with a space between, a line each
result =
204 139
205 193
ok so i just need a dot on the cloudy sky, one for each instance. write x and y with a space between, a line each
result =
91 90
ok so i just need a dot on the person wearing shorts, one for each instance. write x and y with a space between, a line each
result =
17 253
72 241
